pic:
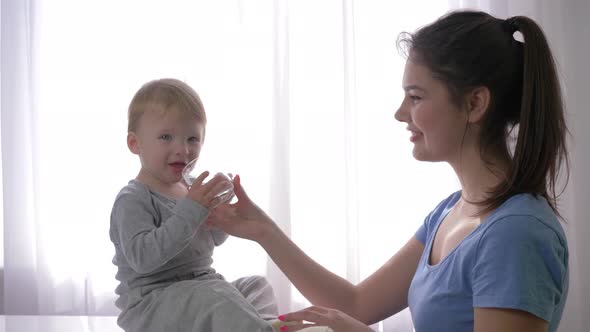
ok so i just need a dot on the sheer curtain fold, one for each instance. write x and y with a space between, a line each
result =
350 142
18 101
279 205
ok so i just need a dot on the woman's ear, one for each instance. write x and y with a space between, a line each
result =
132 143
478 103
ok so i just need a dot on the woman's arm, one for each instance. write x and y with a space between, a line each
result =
385 292
507 320
380 295
318 285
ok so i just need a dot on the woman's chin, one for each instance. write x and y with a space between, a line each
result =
421 155
418 154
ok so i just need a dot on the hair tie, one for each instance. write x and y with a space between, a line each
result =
510 25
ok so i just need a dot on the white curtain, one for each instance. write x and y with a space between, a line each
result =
300 98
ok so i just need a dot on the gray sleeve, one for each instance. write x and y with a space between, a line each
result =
145 246
218 235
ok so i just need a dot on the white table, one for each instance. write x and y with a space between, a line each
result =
59 324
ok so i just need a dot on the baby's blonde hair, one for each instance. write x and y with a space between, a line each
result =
162 95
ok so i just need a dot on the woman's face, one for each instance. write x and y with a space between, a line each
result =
437 125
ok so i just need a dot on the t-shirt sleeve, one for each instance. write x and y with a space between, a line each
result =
421 234
521 263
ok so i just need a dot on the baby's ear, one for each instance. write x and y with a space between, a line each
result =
132 143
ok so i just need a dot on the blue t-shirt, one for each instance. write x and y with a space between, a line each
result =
516 258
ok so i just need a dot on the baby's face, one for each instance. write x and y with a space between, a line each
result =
167 142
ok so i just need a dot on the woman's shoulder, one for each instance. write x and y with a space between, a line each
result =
448 202
444 206
525 218
438 213
533 208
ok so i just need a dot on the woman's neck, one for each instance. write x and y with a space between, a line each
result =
477 177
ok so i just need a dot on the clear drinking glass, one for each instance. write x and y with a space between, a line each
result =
190 174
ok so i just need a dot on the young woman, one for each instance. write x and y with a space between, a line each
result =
490 257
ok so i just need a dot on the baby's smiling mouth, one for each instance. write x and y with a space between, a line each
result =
178 165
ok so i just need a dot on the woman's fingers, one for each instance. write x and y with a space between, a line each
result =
334 319
223 213
239 190
314 315
295 327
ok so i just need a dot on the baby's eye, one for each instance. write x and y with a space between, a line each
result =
194 140
165 137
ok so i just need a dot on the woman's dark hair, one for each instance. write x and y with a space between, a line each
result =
470 49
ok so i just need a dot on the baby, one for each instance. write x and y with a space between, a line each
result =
163 251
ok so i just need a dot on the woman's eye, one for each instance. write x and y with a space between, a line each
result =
415 98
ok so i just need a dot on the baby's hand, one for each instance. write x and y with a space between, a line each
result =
207 193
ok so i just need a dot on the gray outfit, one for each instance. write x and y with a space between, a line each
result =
164 263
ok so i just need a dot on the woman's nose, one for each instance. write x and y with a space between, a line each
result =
403 112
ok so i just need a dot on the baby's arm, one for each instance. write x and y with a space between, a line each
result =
145 246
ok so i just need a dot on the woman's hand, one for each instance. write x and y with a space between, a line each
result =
242 219
319 316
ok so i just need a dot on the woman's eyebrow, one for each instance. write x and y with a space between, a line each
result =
413 87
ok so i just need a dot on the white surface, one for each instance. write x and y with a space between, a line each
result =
76 324
59 324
